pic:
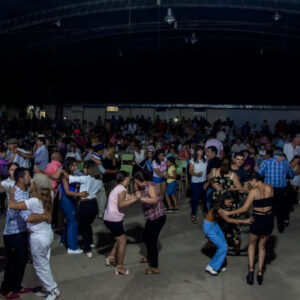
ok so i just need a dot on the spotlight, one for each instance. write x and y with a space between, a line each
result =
58 23
169 18
193 39
175 120
276 17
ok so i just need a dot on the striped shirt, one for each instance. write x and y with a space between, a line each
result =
276 172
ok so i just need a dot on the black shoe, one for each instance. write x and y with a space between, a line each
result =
250 277
286 223
175 210
259 279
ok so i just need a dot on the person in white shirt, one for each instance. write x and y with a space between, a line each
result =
292 149
197 169
88 208
41 234
139 154
237 147
72 153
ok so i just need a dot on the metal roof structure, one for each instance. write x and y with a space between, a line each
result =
42 40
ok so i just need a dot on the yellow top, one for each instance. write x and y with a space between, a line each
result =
170 173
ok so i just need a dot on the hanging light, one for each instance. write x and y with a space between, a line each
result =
169 18
193 39
58 23
276 17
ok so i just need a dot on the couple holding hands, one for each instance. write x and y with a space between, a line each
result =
148 194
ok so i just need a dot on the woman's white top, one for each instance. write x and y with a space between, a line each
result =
199 167
162 167
87 184
139 157
35 206
74 155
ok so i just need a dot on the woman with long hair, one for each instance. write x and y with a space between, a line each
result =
261 197
197 170
68 204
88 208
159 165
214 232
149 195
113 219
41 234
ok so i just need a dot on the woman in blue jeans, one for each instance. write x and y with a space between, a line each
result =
197 170
214 232
68 205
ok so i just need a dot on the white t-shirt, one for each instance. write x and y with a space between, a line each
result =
35 206
88 184
6 184
162 167
199 167
74 155
290 152
139 157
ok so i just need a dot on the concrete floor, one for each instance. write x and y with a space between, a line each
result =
182 265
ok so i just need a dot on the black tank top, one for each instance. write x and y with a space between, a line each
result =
263 202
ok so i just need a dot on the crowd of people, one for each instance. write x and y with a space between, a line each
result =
61 175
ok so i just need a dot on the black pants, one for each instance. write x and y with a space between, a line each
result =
87 214
16 247
281 207
151 233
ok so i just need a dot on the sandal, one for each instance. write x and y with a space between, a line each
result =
151 271
144 260
121 270
194 220
110 260
9 296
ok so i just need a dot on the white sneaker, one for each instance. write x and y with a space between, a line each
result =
210 270
223 269
78 251
92 246
89 254
53 295
41 294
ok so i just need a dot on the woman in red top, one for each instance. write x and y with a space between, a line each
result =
149 195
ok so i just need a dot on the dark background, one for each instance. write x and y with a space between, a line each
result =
124 52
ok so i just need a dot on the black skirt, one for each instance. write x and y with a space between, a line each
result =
263 224
116 228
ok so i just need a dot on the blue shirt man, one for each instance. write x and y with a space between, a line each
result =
41 154
276 170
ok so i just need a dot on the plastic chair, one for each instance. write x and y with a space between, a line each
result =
128 168
181 170
128 158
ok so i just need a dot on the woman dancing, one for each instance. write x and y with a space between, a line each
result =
214 232
150 197
113 219
261 196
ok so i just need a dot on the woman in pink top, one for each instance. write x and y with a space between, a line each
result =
113 219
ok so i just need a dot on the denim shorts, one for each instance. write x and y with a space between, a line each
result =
171 188
158 180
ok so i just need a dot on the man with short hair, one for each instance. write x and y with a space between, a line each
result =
293 148
16 239
276 170
41 154
212 141
236 167
237 147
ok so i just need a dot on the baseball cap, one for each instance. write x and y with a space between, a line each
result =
42 181
12 141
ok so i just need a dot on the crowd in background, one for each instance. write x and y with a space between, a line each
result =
85 161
